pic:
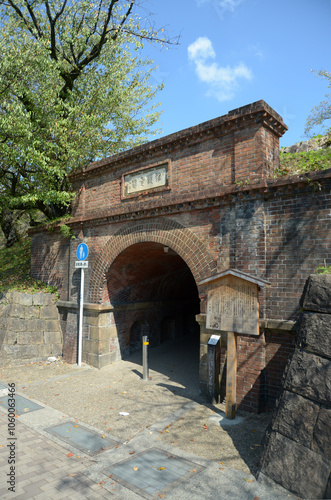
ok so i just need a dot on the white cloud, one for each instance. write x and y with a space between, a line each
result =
222 81
222 6
228 4
201 49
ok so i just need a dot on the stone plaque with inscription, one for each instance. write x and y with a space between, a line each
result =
232 306
146 180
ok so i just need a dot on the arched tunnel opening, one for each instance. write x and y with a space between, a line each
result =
154 293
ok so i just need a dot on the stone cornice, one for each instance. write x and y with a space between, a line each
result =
259 111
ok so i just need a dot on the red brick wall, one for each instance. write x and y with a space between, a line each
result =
298 241
279 345
251 363
220 210
49 260
242 146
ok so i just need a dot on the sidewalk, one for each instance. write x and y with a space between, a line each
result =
85 433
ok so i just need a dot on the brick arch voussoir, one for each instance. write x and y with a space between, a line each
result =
169 233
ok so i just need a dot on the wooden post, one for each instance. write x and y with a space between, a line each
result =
231 376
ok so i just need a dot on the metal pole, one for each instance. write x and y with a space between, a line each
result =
145 357
231 376
80 331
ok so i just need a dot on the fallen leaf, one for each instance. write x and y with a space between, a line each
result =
194 470
76 426
72 475
135 468
222 463
69 454
161 468
132 452
161 495
221 468
248 480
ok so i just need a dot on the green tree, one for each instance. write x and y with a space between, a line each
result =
322 112
73 88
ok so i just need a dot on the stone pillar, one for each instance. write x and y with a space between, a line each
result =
100 340
101 346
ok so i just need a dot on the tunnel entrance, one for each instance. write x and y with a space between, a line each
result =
153 293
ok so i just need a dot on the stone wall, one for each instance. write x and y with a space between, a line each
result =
29 328
297 450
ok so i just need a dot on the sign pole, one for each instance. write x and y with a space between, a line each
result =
231 376
82 253
81 305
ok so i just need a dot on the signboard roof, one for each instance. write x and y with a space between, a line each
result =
239 274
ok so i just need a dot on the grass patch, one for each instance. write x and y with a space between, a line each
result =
323 270
301 163
15 270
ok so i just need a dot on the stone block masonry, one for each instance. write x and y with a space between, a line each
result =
297 451
29 328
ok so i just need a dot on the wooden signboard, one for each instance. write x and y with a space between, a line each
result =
233 307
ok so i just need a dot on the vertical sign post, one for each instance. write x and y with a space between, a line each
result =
231 376
81 253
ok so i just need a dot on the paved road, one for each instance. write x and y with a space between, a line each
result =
85 433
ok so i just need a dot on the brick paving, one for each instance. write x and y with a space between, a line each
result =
43 468
49 467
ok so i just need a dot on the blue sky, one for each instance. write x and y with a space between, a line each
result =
234 52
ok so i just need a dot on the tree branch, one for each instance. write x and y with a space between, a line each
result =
34 19
21 15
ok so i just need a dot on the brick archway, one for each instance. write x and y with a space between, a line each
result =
167 232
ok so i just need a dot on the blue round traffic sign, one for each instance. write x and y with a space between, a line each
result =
82 251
